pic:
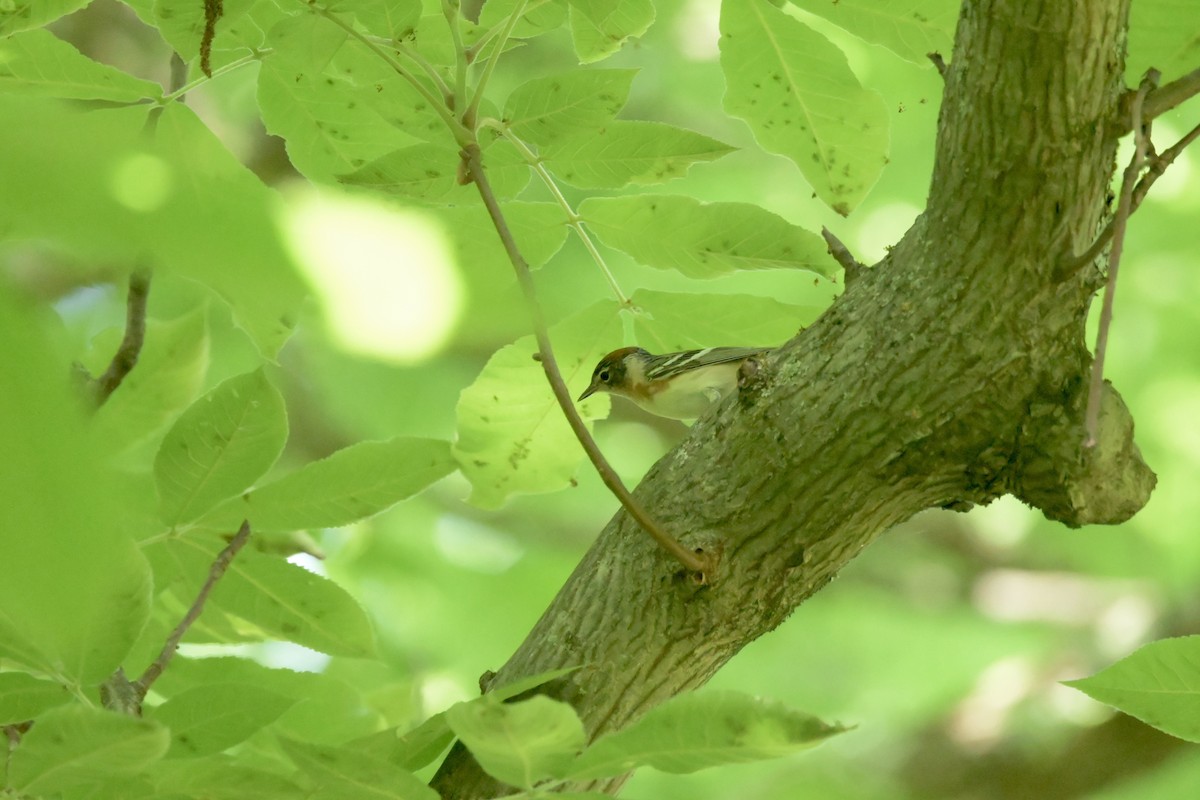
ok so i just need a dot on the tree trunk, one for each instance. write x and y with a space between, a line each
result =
951 373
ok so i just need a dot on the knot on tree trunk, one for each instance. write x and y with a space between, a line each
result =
1076 485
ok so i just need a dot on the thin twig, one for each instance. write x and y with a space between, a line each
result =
1165 98
938 62
1157 166
693 562
126 356
1129 180
841 254
218 568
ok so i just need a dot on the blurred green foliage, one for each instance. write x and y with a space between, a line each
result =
943 645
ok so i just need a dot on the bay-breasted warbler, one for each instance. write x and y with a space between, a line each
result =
676 385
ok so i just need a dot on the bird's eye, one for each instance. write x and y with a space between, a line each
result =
603 376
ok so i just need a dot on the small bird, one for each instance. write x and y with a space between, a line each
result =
675 385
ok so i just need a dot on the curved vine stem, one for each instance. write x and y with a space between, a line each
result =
701 565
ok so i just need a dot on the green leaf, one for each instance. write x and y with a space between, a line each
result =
238 33
167 377
520 743
521 686
354 483
707 239
546 108
540 230
512 436
600 27
345 110
220 778
536 18
394 19
695 731
23 697
38 62
411 749
909 28
76 590
20 15
223 230
343 773
284 600
73 745
1165 35
209 718
306 41
797 93
1159 684
106 184
430 173
329 128
627 151
326 708
671 321
224 442
431 39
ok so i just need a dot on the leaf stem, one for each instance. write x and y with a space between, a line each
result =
481 42
573 218
412 55
490 67
701 565
224 69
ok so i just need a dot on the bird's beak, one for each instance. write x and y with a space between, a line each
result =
588 392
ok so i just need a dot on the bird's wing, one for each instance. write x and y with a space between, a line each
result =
665 366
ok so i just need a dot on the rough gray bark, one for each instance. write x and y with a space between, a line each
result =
951 373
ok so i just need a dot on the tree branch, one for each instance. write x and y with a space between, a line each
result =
700 563
219 566
126 357
1141 134
1162 99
